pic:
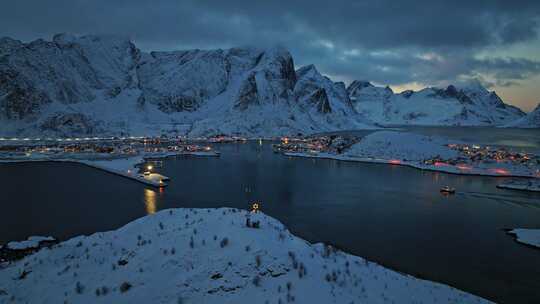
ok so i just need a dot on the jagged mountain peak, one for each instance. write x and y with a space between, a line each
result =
104 83
407 93
68 38
9 45
304 70
472 85
358 85
453 105
318 89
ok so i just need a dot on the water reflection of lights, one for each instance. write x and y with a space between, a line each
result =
500 171
150 201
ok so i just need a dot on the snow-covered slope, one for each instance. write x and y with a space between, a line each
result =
401 146
105 85
208 256
527 236
531 120
466 105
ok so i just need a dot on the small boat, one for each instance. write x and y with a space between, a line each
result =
448 189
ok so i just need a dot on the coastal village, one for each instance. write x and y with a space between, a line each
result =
466 158
442 155
120 156
471 156
99 147
313 145
422 152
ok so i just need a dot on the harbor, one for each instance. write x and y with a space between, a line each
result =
122 156
294 191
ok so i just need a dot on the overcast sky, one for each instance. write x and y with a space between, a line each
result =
405 44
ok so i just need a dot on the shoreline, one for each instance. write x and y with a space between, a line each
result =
402 163
88 164
154 180
520 187
525 236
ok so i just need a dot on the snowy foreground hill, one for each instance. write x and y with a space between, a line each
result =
104 85
208 256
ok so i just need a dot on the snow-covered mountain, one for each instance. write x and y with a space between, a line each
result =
105 85
531 120
467 105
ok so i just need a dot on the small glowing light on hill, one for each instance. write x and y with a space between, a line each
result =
150 167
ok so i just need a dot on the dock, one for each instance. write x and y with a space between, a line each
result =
152 179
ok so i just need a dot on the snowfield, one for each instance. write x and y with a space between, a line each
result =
527 236
208 256
401 146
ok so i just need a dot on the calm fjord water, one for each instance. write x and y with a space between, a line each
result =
393 215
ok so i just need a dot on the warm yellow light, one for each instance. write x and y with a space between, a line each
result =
150 201
149 167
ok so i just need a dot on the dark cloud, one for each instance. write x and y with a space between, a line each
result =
390 42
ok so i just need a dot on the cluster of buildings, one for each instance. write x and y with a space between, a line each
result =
226 139
475 154
327 144
69 148
127 147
